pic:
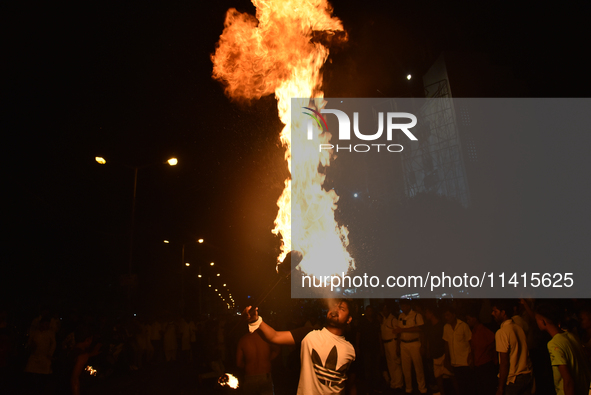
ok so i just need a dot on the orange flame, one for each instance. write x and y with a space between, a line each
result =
228 380
276 53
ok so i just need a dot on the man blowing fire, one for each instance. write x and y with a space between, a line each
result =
325 354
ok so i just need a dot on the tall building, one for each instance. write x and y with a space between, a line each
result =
445 159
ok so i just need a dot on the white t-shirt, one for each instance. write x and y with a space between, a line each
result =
510 339
458 339
325 361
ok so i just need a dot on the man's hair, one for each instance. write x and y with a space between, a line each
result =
584 307
405 301
434 310
449 308
473 312
504 305
550 311
348 302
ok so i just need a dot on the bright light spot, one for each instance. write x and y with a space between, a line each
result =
224 285
173 161
199 275
200 241
100 161
211 264
166 241
408 77
209 285
91 370
218 274
228 380
355 195
187 264
216 289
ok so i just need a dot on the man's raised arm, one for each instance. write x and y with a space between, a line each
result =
255 322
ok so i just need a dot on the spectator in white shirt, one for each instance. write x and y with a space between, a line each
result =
457 335
515 371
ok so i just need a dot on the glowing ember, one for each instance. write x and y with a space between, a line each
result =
91 370
228 380
281 51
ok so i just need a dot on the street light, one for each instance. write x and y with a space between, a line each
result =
102 161
200 241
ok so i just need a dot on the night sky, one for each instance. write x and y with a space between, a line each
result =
132 83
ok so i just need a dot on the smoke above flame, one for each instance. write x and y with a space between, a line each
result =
281 51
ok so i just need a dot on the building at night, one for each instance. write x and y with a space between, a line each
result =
446 159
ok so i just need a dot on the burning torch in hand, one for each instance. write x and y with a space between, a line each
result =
293 258
228 380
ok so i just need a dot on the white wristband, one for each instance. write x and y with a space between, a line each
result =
253 326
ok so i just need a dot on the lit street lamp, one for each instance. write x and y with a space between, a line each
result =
102 161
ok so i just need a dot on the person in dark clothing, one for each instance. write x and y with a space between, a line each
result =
77 360
436 349
369 345
484 354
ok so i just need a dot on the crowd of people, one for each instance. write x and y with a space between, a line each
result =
421 346
67 354
464 347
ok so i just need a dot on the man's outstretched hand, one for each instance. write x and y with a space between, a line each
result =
251 314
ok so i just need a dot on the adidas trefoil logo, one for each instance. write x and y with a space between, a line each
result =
328 374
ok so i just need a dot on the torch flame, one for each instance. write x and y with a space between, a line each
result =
228 380
276 53
91 370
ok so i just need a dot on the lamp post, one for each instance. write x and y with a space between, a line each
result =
183 265
102 161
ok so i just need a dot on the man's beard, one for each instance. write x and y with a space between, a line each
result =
333 322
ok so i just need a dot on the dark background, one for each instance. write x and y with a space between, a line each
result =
132 82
